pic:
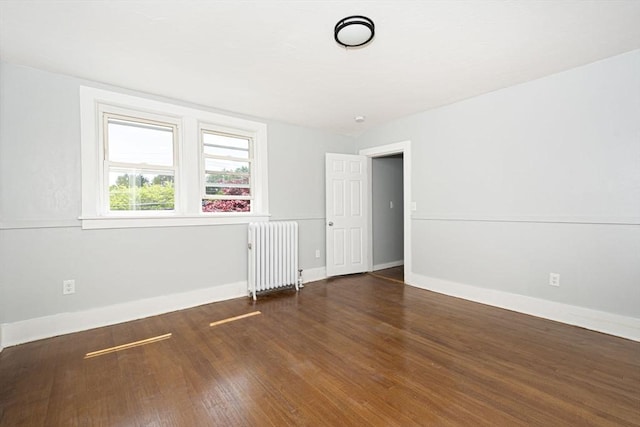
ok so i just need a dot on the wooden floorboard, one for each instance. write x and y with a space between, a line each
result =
393 273
353 351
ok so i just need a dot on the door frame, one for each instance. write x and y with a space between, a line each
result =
403 148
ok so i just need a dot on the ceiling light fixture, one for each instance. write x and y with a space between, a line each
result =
354 31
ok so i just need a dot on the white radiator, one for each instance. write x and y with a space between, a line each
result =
273 256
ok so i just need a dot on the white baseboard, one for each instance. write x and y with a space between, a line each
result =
391 264
613 324
313 274
64 323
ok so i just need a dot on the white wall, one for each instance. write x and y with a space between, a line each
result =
537 178
387 221
297 185
41 242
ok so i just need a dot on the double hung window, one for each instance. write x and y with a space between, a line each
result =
147 163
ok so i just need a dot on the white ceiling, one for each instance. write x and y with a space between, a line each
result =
278 59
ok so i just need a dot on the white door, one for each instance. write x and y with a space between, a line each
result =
347 216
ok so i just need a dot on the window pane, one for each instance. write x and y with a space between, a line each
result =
227 186
135 190
218 165
237 142
227 172
225 145
228 191
136 142
227 178
226 205
228 152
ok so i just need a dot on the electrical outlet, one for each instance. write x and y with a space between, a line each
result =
390 204
554 279
68 287
317 253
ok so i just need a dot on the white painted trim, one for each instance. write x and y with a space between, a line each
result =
169 221
388 265
531 218
608 323
39 223
313 274
65 323
403 148
302 217
385 150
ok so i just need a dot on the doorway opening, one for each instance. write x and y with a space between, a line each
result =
390 209
387 216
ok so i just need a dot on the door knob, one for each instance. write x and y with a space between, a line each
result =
330 223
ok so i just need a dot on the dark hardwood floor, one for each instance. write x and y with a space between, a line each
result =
393 273
353 351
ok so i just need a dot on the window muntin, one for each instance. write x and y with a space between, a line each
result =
139 164
227 160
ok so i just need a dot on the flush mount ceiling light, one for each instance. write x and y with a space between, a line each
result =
354 31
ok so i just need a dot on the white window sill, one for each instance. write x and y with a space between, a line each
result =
93 223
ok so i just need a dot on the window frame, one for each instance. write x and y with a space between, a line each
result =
105 113
189 162
218 130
